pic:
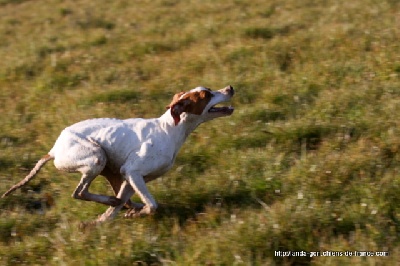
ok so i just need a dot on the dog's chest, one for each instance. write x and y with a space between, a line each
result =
155 158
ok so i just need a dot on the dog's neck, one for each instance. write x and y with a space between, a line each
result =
182 130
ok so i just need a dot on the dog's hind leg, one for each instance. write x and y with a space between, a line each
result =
115 181
82 192
74 153
88 175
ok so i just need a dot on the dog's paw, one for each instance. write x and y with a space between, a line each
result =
139 212
135 211
129 205
132 213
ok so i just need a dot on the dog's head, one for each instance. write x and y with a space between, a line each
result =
202 103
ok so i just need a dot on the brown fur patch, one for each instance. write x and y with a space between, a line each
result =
195 102
192 102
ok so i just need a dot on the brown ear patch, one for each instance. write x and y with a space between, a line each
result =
175 99
192 102
177 109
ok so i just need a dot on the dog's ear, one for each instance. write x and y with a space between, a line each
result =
175 99
178 108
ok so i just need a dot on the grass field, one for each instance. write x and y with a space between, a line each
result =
309 161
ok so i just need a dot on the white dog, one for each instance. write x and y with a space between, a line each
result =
131 152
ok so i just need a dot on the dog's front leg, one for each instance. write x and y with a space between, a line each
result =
138 184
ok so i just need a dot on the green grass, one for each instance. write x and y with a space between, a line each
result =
309 161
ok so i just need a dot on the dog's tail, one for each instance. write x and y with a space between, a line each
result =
31 175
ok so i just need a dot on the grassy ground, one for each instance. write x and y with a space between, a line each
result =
309 161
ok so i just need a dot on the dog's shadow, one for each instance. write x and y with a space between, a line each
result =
200 203
185 210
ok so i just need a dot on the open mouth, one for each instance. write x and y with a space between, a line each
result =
223 110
